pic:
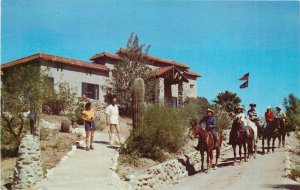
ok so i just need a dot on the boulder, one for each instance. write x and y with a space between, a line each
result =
65 126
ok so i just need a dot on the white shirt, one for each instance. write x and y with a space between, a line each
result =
280 114
113 113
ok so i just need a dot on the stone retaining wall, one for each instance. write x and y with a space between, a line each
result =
169 172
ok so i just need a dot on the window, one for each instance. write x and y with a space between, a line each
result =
192 85
91 90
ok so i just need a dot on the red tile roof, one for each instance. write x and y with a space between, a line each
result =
151 58
160 71
53 58
105 54
191 73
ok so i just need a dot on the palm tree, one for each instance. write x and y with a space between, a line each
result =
227 101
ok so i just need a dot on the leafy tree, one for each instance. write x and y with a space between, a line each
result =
194 108
292 106
133 64
61 100
24 88
227 101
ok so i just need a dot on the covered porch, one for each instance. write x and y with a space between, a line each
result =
170 84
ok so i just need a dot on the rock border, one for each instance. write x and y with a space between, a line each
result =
166 173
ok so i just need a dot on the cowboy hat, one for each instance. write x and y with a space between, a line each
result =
210 110
269 107
278 107
252 104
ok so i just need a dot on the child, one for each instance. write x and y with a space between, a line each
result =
88 116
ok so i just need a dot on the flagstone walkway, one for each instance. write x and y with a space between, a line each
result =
86 169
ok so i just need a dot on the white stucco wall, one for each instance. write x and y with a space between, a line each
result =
75 77
188 91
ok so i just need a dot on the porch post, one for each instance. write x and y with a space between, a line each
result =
180 94
161 94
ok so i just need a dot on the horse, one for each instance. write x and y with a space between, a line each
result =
206 144
276 129
239 138
283 131
271 131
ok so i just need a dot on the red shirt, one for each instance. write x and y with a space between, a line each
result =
269 116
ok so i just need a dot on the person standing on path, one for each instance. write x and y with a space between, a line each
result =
85 100
88 117
112 119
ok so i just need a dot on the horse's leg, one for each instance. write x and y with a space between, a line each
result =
255 149
202 159
283 139
211 158
279 138
207 159
240 152
245 151
234 153
273 144
263 145
269 139
217 155
250 149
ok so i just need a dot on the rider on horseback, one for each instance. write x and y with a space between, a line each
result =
211 124
280 115
253 116
242 116
269 116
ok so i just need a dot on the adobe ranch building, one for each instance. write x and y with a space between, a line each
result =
176 82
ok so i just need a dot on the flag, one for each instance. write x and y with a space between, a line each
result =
244 85
245 77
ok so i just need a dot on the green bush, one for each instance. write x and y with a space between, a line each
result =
100 125
163 129
9 144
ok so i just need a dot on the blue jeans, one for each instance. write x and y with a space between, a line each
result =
214 134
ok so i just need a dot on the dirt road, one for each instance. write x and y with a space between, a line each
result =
264 172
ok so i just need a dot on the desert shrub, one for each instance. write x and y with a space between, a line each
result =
194 108
163 130
44 133
100 125
295 173
132 159
9 144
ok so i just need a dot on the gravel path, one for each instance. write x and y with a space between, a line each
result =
264 172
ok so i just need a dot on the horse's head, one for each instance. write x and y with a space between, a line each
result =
194 129
237 123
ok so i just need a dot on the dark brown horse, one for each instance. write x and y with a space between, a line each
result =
206 144
273 130
239 138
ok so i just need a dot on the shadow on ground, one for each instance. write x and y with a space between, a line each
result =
287 186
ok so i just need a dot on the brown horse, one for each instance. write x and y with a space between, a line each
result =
206 144
273 130
239 138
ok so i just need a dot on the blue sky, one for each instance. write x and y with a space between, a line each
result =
220 40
